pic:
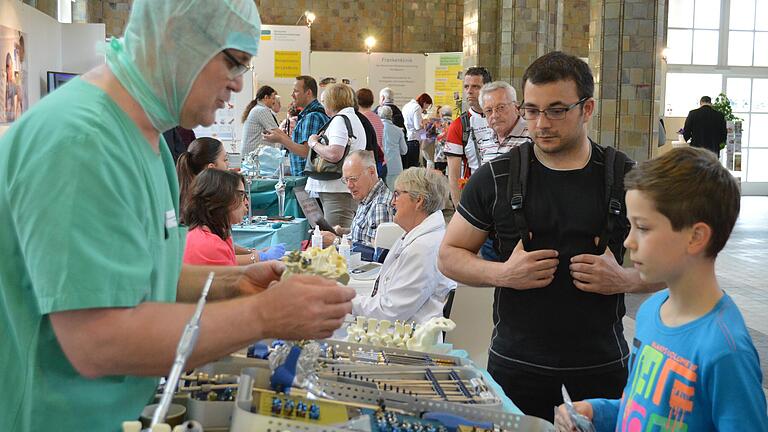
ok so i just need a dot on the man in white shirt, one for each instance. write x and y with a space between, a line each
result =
467 133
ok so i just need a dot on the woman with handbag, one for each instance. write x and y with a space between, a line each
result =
342 134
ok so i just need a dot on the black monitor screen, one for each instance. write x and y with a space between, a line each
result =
57 79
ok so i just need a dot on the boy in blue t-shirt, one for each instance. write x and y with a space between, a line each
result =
693 365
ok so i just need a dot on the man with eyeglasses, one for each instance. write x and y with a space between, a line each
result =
94 293
559 300
359 174
468 134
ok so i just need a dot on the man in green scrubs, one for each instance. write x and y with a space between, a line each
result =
93 295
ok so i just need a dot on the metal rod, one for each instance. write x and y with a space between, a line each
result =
183 351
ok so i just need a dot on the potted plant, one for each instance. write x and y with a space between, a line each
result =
723 105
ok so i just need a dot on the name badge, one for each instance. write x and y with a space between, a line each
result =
170 219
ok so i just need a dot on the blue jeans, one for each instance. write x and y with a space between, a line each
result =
487 252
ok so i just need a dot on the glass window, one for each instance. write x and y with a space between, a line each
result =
761 15
739 91
684 90
707 14
742 15
760 95
761 49
744 128
680 13
759 132
756 163
705 47
679 46
740 48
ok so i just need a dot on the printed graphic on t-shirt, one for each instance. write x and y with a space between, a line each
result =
661 391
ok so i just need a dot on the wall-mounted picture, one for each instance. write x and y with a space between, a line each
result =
14 79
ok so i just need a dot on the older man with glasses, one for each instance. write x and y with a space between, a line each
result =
359 174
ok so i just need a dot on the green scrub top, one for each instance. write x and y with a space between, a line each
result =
88 214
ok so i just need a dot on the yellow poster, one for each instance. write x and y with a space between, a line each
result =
447 84
287 64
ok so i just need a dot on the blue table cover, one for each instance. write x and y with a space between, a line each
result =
264 197
264 235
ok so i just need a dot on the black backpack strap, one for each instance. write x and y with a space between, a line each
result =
466 127
466 132
615 163
348 124
519 162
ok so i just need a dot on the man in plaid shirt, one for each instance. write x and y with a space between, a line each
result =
359 174
311 118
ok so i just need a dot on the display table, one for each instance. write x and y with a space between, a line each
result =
264 235
264 197
365 287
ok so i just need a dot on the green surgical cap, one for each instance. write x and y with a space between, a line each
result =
168 42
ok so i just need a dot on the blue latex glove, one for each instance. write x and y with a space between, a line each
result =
273 253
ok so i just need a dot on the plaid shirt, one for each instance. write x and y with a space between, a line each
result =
373 210
310 120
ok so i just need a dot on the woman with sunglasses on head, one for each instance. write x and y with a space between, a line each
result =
216 201
202 153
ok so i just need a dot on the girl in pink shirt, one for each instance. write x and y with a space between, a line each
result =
217 200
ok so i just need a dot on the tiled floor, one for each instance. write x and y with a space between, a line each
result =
742 270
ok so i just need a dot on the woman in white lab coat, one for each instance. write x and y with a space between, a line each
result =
409 286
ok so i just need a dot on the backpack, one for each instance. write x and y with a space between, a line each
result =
617 164
371 144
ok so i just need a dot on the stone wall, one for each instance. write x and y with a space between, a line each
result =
625 56
575 27
410 26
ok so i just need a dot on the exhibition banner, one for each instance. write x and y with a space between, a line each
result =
283 54
403 73
448 80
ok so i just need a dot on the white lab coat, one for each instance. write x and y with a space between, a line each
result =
410 287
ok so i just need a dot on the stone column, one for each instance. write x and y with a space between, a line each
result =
626 38
480 33
507 35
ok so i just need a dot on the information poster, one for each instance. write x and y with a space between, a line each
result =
287 64
448 81
223 127
403 73
283 54
14 80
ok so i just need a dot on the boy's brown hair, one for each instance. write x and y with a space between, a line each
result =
689 185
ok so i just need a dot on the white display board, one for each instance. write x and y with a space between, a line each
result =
341 65
403 73
283 53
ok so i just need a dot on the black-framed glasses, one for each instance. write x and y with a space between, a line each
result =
557 113
238 68
242 195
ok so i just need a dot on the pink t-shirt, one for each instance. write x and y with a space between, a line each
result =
378 126
206 248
